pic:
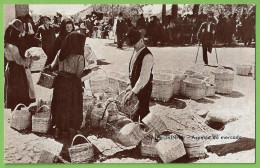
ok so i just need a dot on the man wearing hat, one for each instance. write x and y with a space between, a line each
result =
120 30
206 36
46 35
140 73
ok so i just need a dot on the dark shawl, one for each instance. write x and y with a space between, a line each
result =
62 34
73 45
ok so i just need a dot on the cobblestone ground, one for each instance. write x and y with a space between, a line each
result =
20 147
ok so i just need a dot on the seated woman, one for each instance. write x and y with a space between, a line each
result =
67 102
17 83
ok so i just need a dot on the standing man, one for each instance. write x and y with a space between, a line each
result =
140 73
206 36
120 30
141 24
46 34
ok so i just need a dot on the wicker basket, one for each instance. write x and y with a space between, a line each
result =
170 149
129 109
224 80
20 119
194 88
148 147
155 122
41 121
194 148
81 153
243 70
46 80
163 87
96 116
130 135
210 89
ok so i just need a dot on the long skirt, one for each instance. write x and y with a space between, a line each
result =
16 86
67 102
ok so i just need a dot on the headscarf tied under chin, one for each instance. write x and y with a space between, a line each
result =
73 45
12 34
63 32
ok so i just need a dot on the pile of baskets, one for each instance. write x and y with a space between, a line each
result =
166 84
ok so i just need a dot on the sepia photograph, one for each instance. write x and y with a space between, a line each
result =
129 83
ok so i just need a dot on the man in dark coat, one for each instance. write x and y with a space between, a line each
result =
120 30
141 24
140 73
206 36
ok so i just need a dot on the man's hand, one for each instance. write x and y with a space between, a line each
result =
128 97
94 67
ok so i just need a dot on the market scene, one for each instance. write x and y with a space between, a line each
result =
169 83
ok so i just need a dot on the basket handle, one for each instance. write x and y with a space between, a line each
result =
41 108
18 105
79 135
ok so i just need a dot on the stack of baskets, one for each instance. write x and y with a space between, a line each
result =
81 153
163 87
20 119
224 80
41 120
243 70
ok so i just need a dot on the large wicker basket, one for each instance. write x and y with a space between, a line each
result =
163 87
224 80
81 153
130 135
243 70
155 122
194 88
148 147
41 121
20 119
128 109
46 80
194 148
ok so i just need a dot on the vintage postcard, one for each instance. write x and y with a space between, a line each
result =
129 83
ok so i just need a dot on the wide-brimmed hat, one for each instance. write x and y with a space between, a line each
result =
133 36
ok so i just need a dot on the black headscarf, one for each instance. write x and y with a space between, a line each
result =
73 45
63 32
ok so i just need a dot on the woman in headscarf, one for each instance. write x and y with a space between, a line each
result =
46 34
67 102
66 27
16 83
